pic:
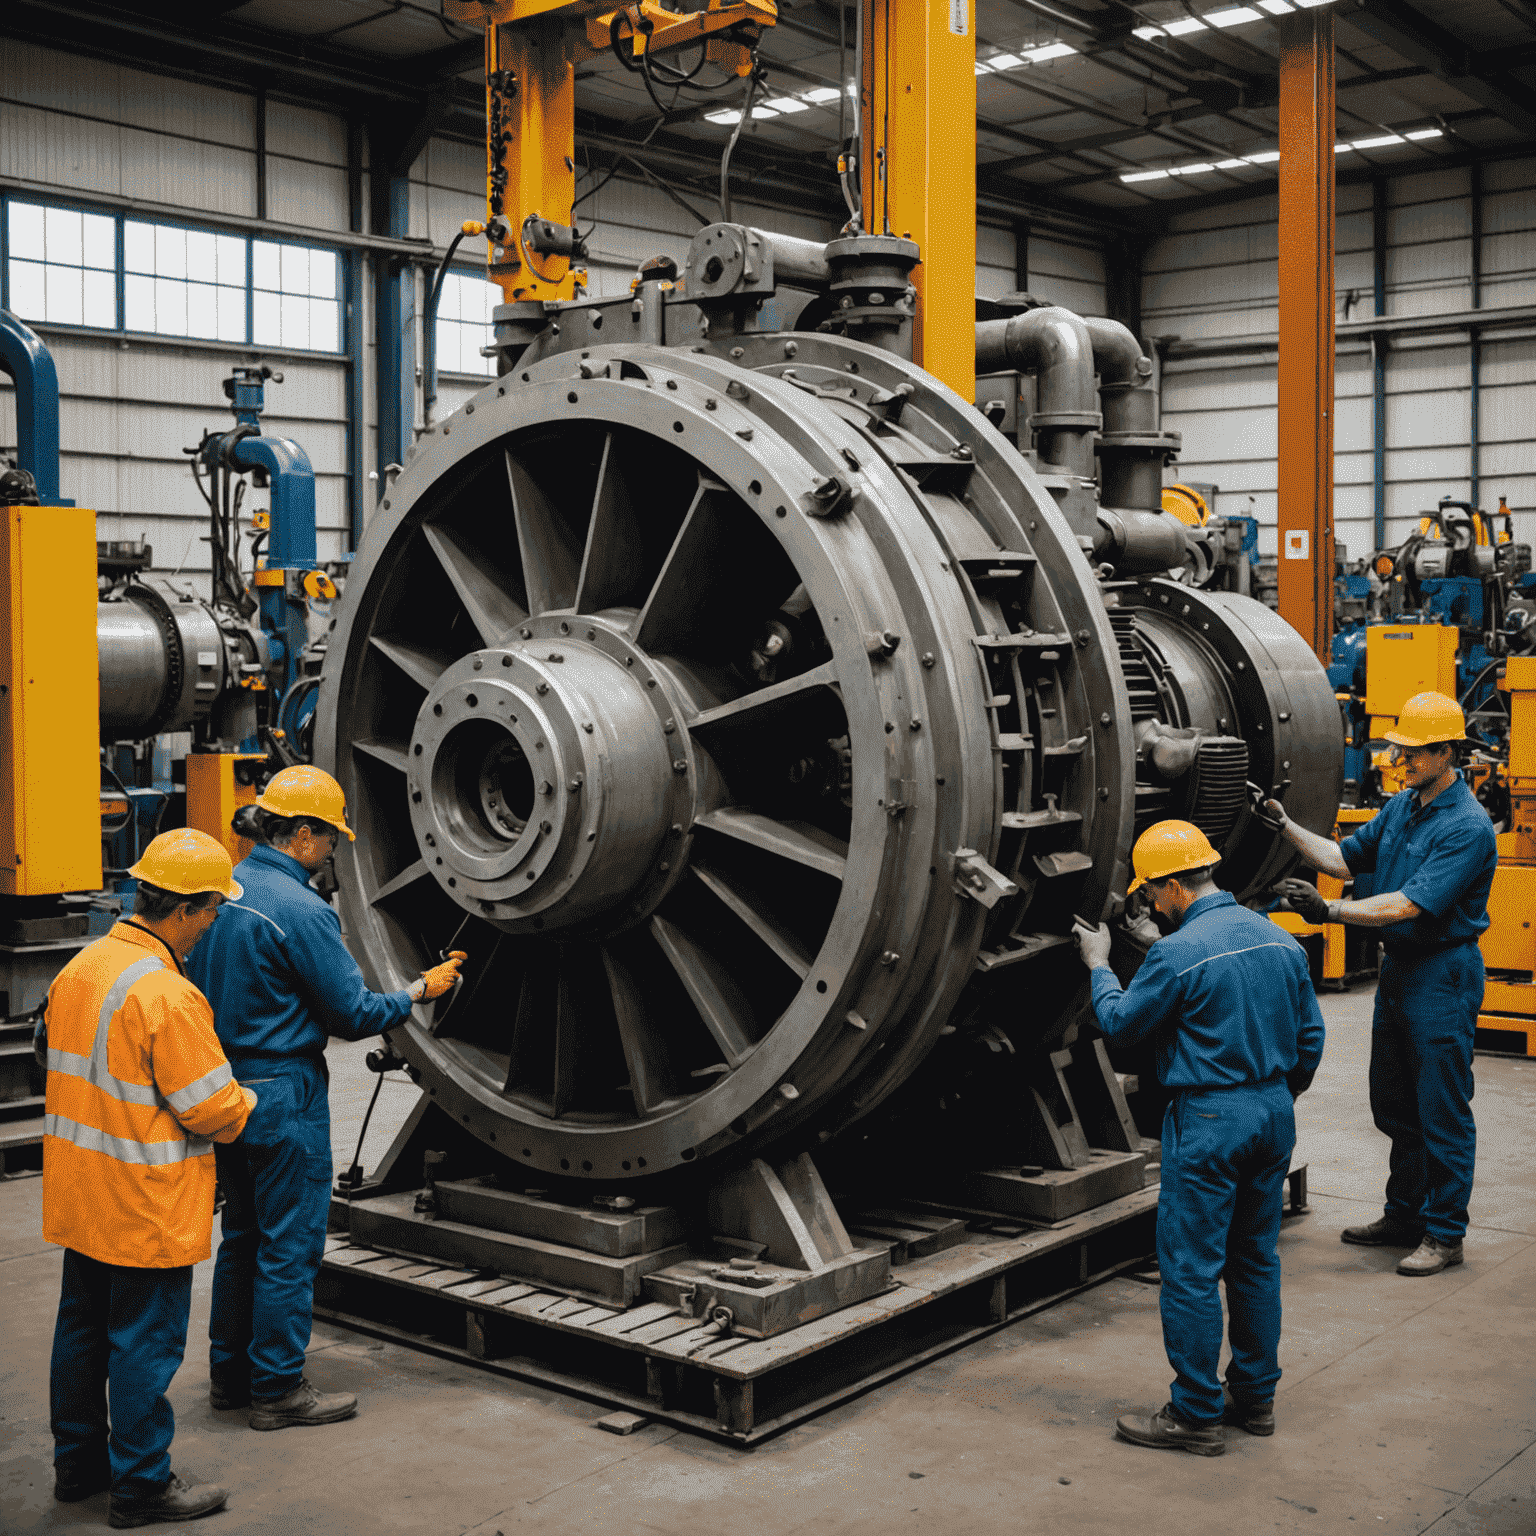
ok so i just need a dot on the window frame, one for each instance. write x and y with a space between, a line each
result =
456 269
119 328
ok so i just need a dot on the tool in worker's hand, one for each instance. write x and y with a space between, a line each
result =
1093 941
1258 803
1304 899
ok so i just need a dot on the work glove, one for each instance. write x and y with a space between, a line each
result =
1092 943
1304 899
440 979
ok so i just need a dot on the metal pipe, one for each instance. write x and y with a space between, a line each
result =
30 365
801 263
1055 345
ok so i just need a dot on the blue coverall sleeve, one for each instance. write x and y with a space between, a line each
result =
331 983
1454 864
1309 1033
1126 1015
1359 848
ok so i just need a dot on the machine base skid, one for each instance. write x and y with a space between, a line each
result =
654 1360
1503 1034
1055 1193
390 1223
768 1299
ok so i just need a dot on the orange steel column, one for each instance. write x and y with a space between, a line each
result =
1305 466
918 177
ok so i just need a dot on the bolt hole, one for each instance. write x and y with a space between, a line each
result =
526 377
640 1162
506 661
572 397
415 797
739 1126
821 986
526 1152
756 487
565 1162
437 709
471 700
452 881
586 1167
689 1154
781 511
417 749
624 1166
597 325
677 426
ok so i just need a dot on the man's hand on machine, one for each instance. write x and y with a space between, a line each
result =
440 979
1092 943
1304 898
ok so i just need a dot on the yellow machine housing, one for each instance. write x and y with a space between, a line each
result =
50 776
1400 661
1509 945
214 794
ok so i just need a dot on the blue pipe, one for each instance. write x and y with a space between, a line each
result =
30 365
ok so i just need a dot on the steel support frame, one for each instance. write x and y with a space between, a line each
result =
918 171
391 155
1475 343
1305 458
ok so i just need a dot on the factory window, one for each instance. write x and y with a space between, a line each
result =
464 324
183 282
62 265
294 299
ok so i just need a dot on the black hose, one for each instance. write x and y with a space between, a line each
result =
429 330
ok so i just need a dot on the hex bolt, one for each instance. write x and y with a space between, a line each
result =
916 724
890 957
1083 637
542 688
711 404
1104 719
430 841
478 664
586 725
546 788
737 390
565 629
556 656
664 866
928 659
546 826
679 766
671 726
526 633
575 784
1103 793
788 1091
791 349
677 829
506 661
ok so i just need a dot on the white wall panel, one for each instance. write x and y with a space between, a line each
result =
1214 275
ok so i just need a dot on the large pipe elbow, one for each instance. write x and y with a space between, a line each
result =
1055 345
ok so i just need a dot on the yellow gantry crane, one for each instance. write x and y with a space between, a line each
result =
917 173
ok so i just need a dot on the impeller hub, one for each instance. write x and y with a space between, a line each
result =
545 777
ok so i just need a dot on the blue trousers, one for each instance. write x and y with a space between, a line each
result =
277 1186
121 1332
1421 1085
1226 1153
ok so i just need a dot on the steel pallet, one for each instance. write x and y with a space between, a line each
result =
657 1361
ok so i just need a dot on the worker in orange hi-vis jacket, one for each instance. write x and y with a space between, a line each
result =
138 1090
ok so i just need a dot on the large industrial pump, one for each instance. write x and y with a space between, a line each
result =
758 717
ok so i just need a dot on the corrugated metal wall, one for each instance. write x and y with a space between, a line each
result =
1215 277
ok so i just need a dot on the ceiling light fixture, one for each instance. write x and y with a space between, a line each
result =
787 104
1232 16
1182 25
822 94
1049 51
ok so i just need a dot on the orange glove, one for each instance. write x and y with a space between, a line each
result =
440 979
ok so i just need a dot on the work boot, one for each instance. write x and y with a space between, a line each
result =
1256 1418
1164 1430
73 1483
304 1405
1430 1257
178 1500
228 1391
1388 1232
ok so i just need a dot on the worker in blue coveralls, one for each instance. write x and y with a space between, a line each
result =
280 981
1226 1000
1433 853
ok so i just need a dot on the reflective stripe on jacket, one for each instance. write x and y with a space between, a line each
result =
138 1089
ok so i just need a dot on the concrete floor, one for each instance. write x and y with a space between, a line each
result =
1407 1405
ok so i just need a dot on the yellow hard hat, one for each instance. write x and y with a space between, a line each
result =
188 862
307 791
1170 848
1429 718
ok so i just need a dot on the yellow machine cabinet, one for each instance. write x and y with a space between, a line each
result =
1404 659
50 738
1508 1019
214 794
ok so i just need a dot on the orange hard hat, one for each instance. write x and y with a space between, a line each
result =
307 791
1170 848
188 862
1427 719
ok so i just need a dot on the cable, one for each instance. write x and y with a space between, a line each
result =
355 1167
730 148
